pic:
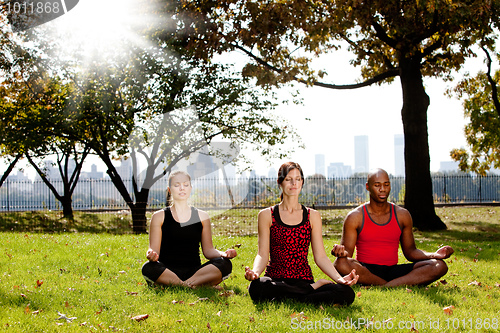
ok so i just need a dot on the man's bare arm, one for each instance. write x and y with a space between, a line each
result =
350 228
408 245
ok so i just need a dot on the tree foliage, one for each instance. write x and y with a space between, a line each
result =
285 36
409 40
73 103
32 104
12 57
482 132
110 97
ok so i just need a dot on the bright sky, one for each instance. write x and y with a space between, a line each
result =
336 115
339 115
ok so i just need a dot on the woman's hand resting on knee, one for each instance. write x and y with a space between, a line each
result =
250 275
151 255
350 279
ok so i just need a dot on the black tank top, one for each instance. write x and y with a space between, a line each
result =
180 242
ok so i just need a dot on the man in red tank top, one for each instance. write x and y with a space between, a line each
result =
376 229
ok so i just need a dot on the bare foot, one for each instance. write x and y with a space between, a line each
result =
320 283
188 285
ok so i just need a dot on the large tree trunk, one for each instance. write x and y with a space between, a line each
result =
139 221
66 202
137 208
418 193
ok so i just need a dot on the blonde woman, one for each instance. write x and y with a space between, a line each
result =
174 237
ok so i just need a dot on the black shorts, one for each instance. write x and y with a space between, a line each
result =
389 273
152 270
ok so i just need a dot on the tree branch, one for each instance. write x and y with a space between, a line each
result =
259 60
44 178
353 44
10 168
377 78
494 89
78 169
380 33
433 47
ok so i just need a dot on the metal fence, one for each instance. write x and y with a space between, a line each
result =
220 193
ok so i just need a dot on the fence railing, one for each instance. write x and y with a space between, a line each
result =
218 192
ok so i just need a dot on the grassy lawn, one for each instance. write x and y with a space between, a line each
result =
94 279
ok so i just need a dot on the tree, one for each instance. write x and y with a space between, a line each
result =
113 100
409 40
12 56
482 108
109 94
33 101
69 162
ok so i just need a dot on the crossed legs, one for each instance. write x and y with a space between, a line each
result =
319 292
211 273
423 273
207 275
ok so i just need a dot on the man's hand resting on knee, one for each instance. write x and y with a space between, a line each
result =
339 251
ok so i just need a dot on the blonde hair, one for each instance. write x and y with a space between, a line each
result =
170 200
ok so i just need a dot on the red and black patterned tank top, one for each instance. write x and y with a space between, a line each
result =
289 246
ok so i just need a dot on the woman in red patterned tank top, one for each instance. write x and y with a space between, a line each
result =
285 233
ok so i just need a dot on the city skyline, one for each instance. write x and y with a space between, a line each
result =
322 165
338 169
124 168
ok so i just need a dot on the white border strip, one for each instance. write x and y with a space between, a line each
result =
64 6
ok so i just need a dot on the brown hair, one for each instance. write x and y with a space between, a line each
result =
285 169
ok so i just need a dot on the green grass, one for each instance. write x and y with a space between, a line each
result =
118 222
96 278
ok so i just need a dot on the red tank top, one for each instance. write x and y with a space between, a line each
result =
378 243
289 246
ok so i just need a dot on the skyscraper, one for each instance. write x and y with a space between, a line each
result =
271 173
361 154
319 167
125 169
399 155
204 164
339 170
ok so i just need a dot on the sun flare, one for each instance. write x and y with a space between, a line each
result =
100 28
